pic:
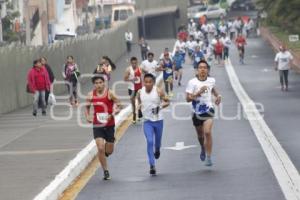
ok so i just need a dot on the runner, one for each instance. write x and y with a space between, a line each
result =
167 67
283 60
133 75
150 65
152 100
199 91
191 44
226 42
103 101
197 57
71 74
38 83
105 67
219 48
178 61
240 43
182 46
144 48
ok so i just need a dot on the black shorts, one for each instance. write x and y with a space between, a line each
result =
198 120
107 133
132 93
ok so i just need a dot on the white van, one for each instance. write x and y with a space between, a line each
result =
60 36
121 13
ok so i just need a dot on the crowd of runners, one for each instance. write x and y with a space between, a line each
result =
201 44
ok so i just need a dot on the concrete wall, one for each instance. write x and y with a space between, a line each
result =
16 61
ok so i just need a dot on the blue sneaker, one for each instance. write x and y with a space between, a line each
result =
208 162
202 154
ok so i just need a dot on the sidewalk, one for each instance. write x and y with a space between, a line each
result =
275 43
34 150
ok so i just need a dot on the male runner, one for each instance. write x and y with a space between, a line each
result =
133 75
152 100
103 101
199 91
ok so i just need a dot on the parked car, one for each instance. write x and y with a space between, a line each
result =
63 36
211 12
243 5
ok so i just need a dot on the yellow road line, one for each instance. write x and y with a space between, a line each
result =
73 190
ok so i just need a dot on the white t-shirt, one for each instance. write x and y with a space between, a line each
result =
283 59
203 103
226 41
204 28
128 36
223 29
191 44
198 35
149 67
181 45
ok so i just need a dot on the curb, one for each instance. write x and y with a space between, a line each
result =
76 166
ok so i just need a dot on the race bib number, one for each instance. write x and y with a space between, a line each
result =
102 117
197 59
169 71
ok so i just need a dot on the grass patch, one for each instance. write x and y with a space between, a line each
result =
284 37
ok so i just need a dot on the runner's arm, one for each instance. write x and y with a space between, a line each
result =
118 103
88 107
164 98
217 95
126 76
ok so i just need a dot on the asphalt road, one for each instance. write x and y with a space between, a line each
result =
34 150
240 171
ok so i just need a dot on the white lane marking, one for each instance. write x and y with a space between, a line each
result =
283 168
180 146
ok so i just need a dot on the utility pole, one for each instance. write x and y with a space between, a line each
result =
27 19
3 8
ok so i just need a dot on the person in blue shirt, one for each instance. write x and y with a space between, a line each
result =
167 67
197 57
178 61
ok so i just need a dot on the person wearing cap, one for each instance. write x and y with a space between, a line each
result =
283 61
166 51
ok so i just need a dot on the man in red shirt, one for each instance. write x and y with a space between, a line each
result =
219 47
103 102
38 83
240 42
133 75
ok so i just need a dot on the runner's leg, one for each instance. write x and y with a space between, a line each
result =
148 131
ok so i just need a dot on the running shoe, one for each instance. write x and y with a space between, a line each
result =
202 154
157 154
106 175
208 162
34 114
171 94
152 171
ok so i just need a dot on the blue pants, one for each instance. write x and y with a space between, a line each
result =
152 129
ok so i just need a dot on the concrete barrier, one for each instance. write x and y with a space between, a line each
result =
17 60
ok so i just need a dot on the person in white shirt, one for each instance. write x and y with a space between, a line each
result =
191 44
231 29
151 100
182 47
150 65
226 42
199 91
128 39
198 35
283 61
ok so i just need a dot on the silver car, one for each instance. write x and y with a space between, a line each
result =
211 12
